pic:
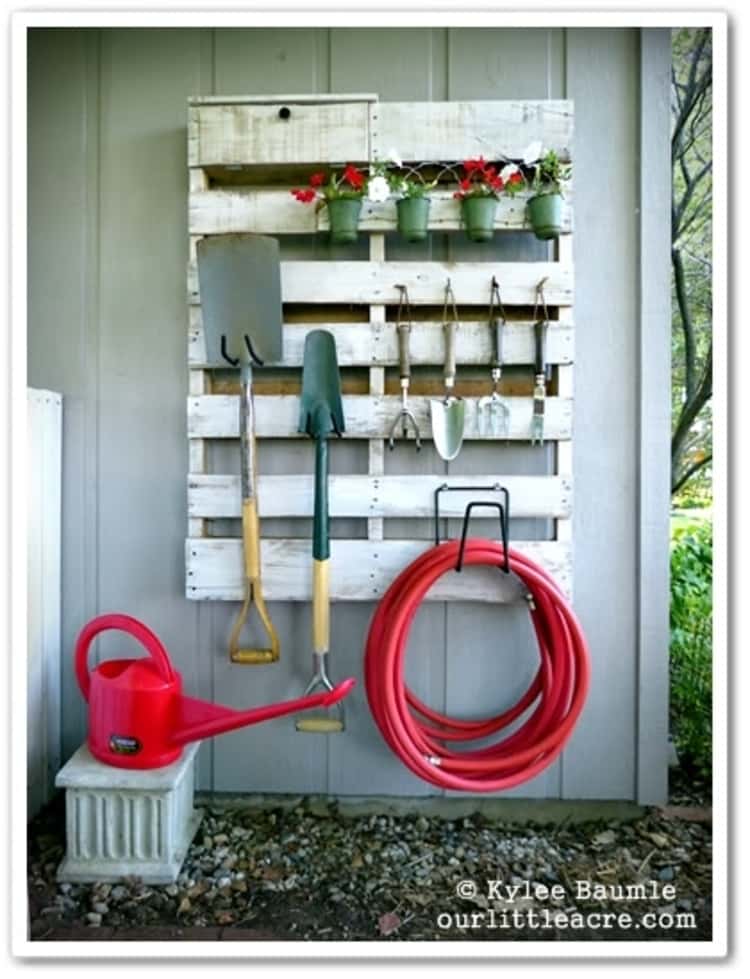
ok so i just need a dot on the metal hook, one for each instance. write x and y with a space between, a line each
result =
495 292
539 299
403 302
449 293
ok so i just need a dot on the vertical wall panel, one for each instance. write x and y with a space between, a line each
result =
264 61
145 75
655 416
62 338
602 79
491 652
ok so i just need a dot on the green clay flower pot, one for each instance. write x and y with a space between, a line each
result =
479 217
343 217
413 215
545 215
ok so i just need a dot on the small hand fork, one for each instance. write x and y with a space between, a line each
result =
493 411
405 416
541 367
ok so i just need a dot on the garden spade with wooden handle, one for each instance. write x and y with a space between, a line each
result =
321 415
240 292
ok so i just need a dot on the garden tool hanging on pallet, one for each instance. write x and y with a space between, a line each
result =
448 413
403 330
240 289
541 367
321 414
493 411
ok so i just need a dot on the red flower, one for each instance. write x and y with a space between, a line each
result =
353 177
465 184
497 183
316 179
516 178
304 196
471 165
490 173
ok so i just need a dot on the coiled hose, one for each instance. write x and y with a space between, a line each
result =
419 735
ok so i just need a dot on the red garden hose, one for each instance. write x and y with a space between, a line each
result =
417 734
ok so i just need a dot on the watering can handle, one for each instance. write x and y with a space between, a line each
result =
124 623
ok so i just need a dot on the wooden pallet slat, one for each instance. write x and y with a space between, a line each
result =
367 283
237 131
361 570
374 496
276 212
367 416
375 344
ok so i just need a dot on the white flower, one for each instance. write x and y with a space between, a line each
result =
394 157
378 189
532 152
507 172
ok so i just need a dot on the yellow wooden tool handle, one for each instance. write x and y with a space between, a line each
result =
320 725
253 595
321 608
251 538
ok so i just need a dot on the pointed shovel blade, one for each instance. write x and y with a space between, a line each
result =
321 410
448 426
240 291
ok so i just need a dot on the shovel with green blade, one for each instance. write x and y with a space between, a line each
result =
240 289
321 415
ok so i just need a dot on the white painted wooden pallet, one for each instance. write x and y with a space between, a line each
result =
239 132
374 344
275 212
237 146
363 283
361 570
216 416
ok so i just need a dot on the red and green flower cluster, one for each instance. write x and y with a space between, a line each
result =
482 179
351 183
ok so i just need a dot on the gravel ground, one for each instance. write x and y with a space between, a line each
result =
309 873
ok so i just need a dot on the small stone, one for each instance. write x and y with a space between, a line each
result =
172 890
100 907
65 888
185 905
666 873
119 893
94 919
607 838
221 839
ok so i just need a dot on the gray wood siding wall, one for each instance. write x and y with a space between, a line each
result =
107 328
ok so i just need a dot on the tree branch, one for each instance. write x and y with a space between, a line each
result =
690 472
687 321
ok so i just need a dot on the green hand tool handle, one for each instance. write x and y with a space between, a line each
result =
321 545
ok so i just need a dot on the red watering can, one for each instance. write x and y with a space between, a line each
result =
138 716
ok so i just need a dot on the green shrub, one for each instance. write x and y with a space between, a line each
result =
691 621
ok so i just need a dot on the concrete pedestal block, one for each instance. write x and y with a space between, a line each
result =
122 823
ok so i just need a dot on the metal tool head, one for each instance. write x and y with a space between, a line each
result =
240 291
447 416
406 419
330 719
321 410
493 415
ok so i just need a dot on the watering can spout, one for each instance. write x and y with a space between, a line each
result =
198 719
